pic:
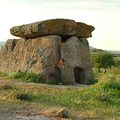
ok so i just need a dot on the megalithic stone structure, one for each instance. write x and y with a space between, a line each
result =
57 49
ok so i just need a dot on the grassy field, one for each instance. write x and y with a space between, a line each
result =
98 101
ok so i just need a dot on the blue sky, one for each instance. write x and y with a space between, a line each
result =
104 15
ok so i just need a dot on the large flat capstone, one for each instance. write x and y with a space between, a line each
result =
62 27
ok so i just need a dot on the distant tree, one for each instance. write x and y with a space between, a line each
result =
102 60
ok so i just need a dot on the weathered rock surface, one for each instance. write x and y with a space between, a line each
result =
62 113
38 55
57 113
76 61
62 27
49 56
57 49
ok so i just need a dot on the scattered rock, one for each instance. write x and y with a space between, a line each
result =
23 96
56 113
62 113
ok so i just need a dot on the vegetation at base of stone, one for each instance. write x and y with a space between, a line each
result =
29 77
50 82
91 82
102 60
66 82
32 77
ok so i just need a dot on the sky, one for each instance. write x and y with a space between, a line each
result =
104 15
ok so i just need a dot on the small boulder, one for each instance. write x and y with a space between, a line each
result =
62 113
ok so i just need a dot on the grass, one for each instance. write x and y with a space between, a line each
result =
98 101
32 77
28 77
102 95
2 74
117 61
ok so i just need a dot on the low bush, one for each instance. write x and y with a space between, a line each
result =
29 77
112 85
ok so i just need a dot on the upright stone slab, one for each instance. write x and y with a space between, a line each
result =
76 65
36 55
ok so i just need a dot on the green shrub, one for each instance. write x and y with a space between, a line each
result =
112 84
30 77
102 60
19 75
107 91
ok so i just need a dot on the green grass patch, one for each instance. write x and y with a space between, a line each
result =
102 98
98 101
32 77
28 77
100 93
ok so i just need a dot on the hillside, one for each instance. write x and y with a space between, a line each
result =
93 49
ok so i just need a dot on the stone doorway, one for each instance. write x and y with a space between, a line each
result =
79 75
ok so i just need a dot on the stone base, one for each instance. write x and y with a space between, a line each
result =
51 56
